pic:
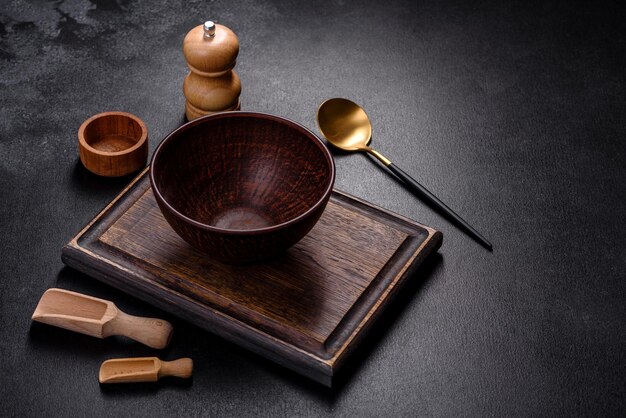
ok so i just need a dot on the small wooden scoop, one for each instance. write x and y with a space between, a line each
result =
99 318
143 369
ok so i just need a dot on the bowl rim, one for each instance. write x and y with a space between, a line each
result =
242 114
102 115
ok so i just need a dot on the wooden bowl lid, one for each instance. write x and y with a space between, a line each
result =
211 56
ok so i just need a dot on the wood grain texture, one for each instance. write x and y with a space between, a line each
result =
113 144
211 57
211 86
213 94
192 112
242 186
307 309
99 318
143 369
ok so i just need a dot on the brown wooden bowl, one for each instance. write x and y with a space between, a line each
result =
242 186
113 144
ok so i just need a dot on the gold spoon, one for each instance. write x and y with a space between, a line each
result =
346 126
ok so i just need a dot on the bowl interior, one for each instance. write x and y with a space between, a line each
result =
112 133
242 172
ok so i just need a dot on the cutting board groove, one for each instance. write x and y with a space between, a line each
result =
306 309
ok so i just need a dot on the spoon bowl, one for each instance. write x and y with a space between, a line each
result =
345 124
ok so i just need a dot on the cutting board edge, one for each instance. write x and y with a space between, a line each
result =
297 359
430 246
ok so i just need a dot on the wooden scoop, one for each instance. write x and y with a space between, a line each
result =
99 318
143 369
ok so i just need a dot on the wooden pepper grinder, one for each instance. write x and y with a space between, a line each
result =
211 86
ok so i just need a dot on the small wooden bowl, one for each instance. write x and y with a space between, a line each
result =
113 144
242 186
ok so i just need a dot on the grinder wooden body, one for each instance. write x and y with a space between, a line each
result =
211 86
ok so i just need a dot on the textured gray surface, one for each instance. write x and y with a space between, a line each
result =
513 114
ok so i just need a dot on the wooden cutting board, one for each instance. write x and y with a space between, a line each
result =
307 309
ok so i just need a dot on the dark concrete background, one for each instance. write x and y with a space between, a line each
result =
511 112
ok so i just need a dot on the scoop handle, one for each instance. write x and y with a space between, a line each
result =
153 332
183 367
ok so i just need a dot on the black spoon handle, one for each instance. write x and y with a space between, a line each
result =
421 191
